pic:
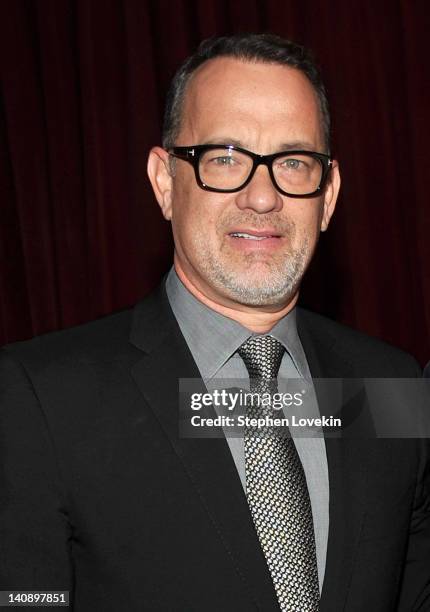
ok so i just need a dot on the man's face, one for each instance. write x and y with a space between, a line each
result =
264 108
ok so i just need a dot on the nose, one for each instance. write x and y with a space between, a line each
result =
260 194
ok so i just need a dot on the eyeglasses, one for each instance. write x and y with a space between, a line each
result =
226 169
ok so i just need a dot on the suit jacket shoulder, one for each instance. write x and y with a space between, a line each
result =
97 340
343 348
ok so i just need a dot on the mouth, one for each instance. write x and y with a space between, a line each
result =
246 239
255 234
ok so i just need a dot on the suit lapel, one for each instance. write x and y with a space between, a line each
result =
207 462
347 467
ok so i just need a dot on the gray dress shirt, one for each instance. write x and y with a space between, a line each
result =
213 340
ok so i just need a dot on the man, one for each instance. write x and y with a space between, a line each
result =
103 498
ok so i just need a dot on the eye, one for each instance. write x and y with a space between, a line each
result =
292 164
224 160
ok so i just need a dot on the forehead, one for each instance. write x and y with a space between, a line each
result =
247 100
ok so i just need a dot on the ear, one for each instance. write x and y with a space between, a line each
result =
330 195
161 179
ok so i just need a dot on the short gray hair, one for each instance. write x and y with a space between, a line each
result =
266 48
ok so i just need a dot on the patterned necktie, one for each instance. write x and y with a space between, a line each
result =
276 489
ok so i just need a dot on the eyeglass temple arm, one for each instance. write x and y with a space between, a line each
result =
186 154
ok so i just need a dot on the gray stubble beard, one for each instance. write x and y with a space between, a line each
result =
277 288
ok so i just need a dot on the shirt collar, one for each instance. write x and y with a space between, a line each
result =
213 338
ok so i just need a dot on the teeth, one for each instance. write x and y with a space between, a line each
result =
248 236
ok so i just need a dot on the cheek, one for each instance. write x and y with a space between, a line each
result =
194 216
183 205
307 218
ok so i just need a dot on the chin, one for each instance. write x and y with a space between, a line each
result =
264 297
256 281
257 290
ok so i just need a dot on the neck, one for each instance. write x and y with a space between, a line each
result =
258 321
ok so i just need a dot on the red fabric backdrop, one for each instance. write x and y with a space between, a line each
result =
83 84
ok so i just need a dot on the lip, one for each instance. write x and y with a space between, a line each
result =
270 240
265 233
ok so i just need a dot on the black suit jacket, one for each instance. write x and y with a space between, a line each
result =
101 497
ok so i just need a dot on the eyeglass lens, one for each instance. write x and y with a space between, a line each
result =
225 168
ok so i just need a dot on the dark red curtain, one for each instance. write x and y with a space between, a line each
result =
83 84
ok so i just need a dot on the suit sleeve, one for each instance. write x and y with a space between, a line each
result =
415 592
34 528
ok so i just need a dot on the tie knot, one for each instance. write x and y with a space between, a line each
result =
262 356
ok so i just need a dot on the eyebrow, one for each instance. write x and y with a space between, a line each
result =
286 146
297 144
225 142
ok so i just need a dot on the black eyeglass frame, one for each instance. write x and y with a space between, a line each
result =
192 155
